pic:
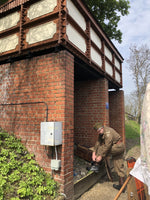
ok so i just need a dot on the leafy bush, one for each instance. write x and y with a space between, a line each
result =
20 175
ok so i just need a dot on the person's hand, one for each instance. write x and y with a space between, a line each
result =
98 158
93 156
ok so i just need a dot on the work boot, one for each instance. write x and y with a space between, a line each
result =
95 168
121 182
89 167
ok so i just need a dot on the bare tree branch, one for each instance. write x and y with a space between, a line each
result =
139 65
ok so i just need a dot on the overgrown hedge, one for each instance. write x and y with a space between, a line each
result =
20 176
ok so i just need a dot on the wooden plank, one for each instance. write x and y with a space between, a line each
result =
83 152
88 181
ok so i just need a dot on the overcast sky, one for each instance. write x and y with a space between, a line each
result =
136 30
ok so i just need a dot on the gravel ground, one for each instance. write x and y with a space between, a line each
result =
103 190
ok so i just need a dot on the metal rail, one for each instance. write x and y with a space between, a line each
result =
27 103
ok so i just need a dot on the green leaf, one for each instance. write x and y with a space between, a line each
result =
21 192
14 176
41 189
108 13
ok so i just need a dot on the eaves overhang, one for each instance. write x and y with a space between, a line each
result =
28 27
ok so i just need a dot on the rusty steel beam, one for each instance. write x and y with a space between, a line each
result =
11 4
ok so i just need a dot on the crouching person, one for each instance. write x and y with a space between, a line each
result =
109 143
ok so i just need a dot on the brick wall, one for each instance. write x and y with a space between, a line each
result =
50 78
90 100
116 114
47 78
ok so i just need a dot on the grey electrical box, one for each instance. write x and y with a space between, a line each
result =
55 164
51 133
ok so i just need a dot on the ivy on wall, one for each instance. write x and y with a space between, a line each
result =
20 176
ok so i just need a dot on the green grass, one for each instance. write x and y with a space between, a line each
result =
132 129
20 176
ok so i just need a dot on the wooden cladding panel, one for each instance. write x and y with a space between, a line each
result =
9 43
77 35
9 21
53 22
41 8
29 26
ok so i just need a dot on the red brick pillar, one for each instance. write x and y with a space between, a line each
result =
117 113
67 153
90 107
46 78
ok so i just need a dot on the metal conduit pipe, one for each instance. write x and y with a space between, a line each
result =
27 103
